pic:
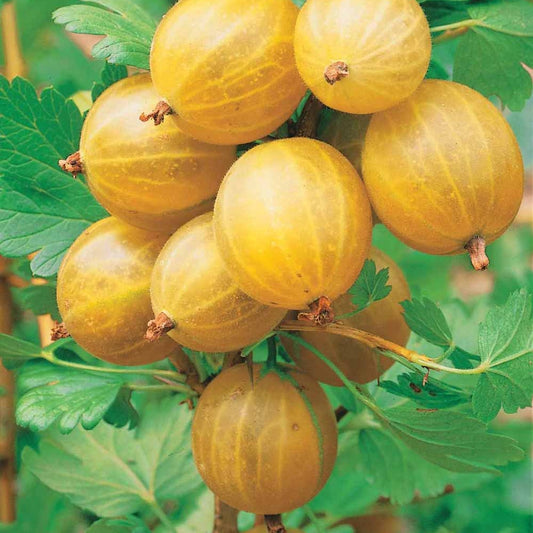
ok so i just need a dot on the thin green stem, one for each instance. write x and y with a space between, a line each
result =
358 394
49 356
376 342
154 388
272 352
445 354
314 519
162 516
457 25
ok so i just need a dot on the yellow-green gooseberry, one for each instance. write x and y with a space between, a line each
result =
227 68
265 446
103 292
362 56
292 222
443 170
193 290
153 178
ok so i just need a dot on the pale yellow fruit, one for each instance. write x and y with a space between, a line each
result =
227 68
443 167
384 44
292 222
156 178
191 285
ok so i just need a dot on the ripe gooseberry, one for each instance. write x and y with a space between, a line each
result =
292 222
227 68
264 447
443 170
153 178
362 56
192 287
357 362
103 292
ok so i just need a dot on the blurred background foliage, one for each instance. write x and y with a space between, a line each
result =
504 505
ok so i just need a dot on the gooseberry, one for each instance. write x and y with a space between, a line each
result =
266 446
103 292
443 170
292 222
153 178
192 287
227 67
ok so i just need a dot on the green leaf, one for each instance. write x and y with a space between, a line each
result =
452 440
427 320
41 207
113 472
128 28
110 75
491 55
70 396
433 395
506 349
397 472
370 286
436 71
39 299
131 524
15 352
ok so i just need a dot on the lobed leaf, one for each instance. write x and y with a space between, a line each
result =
39 299
114 472
452 440
370 286
49 393
506 349
427 320
500 38
14 351
433 395
127 26
110 75
41 208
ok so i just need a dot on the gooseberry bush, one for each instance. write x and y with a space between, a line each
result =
272 271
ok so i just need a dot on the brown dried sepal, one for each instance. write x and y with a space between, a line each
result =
159 326
160 111
476 248
274 524
336 71
72 164
59 331
320 312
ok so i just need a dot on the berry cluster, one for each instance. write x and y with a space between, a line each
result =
221 249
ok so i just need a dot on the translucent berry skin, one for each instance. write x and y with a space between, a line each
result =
267 448
227 67
103 292
156 178
292 222
358 362
192 286
442 167
385 44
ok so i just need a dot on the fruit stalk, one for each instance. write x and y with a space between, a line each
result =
184 366
274 524
308 122
225 518
476 248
